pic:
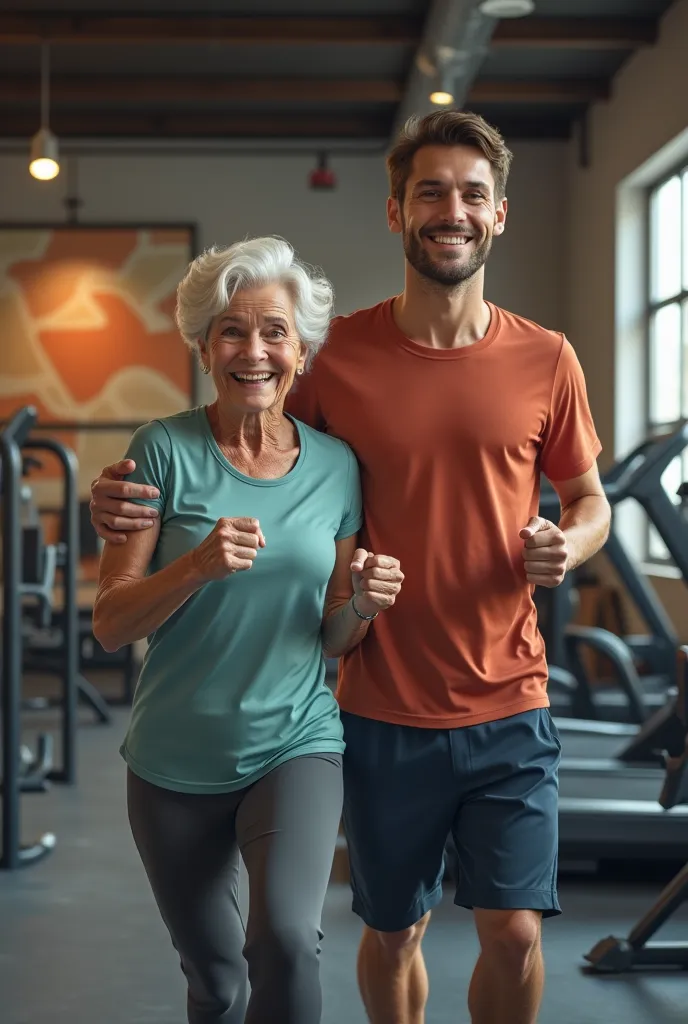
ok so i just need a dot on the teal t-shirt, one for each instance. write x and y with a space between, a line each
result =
233 684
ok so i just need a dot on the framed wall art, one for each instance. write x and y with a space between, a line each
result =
87 334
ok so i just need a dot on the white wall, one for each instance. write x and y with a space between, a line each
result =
648 109
647 114
344 231
526 272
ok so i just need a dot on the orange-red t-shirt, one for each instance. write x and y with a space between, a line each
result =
451 444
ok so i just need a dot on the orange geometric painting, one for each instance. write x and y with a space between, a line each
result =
87 332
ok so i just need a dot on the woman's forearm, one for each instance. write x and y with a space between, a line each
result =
343 630
130 609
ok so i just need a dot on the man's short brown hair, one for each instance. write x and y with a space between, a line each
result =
447 128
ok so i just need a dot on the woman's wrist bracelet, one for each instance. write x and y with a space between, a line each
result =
366 618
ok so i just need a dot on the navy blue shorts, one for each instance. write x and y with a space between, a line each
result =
493 787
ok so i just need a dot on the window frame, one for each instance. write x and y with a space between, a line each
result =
652 306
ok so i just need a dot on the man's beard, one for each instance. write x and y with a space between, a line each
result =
446 271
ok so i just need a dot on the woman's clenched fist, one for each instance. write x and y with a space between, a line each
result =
230 547
376 581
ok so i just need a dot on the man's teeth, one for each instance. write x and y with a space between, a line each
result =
450 239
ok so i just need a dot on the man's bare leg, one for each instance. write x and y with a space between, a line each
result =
392 975
508 981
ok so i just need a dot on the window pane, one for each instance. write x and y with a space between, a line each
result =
685 229
665 364
665 232
685 356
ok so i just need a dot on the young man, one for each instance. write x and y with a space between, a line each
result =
454 407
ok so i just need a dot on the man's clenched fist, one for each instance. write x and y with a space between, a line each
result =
545 552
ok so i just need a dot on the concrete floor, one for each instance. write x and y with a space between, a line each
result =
81 941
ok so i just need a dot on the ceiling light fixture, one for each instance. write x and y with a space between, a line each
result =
444 95
44 163
441 98
445 69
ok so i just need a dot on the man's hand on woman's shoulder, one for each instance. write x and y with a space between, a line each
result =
111 513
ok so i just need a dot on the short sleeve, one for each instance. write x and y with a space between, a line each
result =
352 518
302 401
570 443
151 449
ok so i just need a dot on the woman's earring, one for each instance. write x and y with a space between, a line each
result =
204 368
300 370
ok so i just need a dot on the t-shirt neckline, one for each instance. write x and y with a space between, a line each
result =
252 480
402 341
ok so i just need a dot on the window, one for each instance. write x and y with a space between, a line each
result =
667 400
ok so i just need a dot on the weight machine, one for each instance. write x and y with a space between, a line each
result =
42 652
14 854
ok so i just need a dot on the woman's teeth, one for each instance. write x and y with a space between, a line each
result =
252 378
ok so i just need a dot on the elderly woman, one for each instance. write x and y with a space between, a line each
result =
248 578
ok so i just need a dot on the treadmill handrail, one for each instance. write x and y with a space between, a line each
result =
641 591
642 466
614 648
622 465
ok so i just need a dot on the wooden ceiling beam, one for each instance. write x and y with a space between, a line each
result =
575 33
88 89
196 125
235 31
539 91
535 128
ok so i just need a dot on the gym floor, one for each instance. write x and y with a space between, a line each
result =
81 940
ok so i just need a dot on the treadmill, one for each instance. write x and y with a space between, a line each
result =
623 814
633 698
610 801
614 955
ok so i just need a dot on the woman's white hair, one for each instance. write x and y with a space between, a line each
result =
214 277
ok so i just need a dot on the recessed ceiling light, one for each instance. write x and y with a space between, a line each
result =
507 8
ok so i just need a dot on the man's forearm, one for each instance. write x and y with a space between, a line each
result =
585 524
130 609
342 630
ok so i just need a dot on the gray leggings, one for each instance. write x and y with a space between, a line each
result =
285 827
